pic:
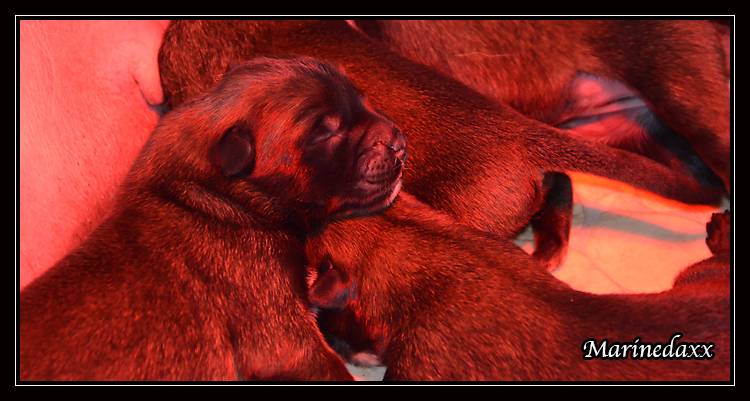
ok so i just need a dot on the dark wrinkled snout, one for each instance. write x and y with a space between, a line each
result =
382 160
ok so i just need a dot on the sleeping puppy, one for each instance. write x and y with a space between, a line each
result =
658 88
484 164
198 274
439 301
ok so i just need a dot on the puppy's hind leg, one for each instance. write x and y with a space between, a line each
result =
551 224
680 73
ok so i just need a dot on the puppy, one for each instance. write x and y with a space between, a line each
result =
631 84
198 274
484 164
438 301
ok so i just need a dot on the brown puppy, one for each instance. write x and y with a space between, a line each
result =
482 163
601 80
198 274
439 301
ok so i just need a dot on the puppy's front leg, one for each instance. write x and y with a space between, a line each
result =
303 355
551 224
323 364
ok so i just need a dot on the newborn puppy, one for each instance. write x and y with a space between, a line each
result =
439 301
624 83
198 274
484 164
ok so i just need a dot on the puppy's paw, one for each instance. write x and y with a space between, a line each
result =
718 231
551 224
365 360
550 258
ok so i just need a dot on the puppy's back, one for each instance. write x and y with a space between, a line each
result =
114 311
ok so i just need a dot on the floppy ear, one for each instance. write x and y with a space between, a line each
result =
234 153
332 288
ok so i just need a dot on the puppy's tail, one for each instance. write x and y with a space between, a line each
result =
571 154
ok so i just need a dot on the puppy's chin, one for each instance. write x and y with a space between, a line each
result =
375 202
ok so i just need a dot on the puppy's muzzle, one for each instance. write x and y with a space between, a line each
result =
378 170
381 165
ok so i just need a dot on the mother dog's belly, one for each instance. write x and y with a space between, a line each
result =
606 111
603 110
85 90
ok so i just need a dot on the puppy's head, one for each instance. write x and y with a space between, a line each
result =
335 257
302 132
333 287
295 130
346 255
345 281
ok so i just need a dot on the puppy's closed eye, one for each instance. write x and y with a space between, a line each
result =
234 153
327 128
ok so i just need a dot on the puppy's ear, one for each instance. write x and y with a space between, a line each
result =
234 153
332 288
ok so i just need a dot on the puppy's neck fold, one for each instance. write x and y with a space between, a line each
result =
236 206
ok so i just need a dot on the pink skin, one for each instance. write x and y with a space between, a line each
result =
85 91
603 110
